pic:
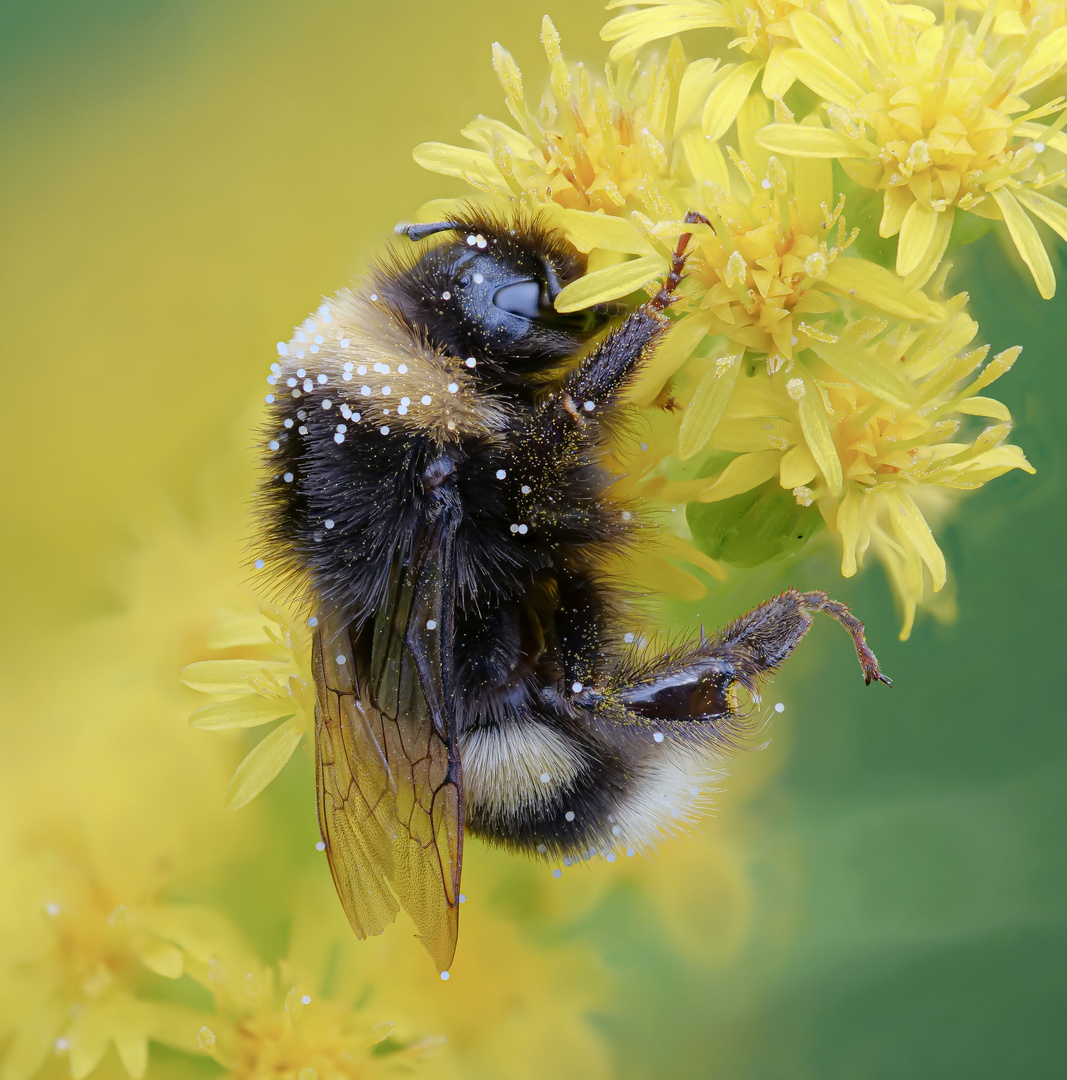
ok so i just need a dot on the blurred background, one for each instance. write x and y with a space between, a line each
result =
880 893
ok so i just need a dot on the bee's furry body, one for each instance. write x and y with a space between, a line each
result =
411 415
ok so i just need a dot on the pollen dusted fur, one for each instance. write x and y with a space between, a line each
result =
434 483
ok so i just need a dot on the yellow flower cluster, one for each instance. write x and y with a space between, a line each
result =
849 381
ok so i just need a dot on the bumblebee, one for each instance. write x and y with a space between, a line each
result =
434 478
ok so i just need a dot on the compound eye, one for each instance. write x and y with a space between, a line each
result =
522 298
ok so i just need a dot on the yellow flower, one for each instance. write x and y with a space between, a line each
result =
271 687
87 972
867 428
936 119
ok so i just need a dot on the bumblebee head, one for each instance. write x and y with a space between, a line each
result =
487 291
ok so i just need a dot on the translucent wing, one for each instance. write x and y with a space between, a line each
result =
389 790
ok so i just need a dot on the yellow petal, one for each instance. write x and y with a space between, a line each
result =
133 1053
880 289
924 269
803 140
473 166
263 763
909 522
705 160
162 958
610 283
865 370
778 76
743 474
983 406
1052 213
918 230
819 73
849 520
684 336
587 230
656 574
1039 133
693 92
1047 59
30 1048
241 712
797 468
1024 236
724 102
234 676
236 629
895 205
817 39
677 548
816 427
638 28
709 403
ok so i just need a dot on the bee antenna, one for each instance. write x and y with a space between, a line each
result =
420 232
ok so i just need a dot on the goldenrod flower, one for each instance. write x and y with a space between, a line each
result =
271 687
935 117
867 428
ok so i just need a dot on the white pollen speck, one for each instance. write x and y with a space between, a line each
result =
541 849
320 846
431 624
344 343
525 489
301 430
354 416
557 873
569 815
323 379
545 778
627 516
576 687
765 184
384 429
628 638
341 659
445 976
365 390
514 528
362 369
1039 147
453 387
402 369
446 295
462 897
616 830
779 708
287 423
301 415
62 1045
478 279
500 474
306 999
631 852
482 245
300 354
258 564
301 336
380 368
274 444
283 349
52 908
374 296
272 379
472 240
319 339
329 523
610 856
288 477
327 403
523 530
644 447
313 349
308 386
313 621
658 736
405 401
387 390
471 362
402 410
426 399
300 373
290 382
347 376
589 406
348 365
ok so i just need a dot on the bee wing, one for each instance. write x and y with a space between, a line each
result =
389 790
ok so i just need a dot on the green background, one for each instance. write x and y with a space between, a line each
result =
180 182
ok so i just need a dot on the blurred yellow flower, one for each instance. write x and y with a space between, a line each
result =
271 686
935 118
